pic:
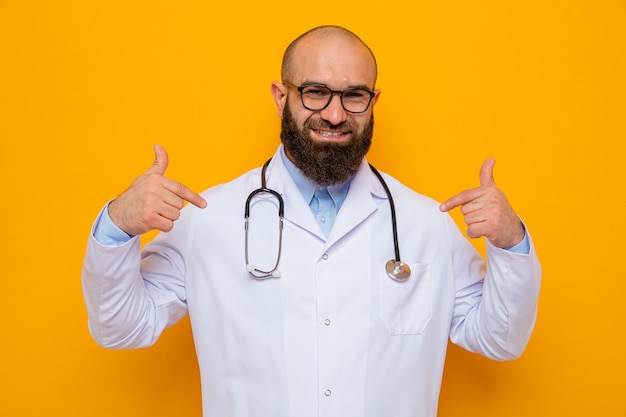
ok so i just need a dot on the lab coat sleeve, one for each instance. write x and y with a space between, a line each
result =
131 297
496 305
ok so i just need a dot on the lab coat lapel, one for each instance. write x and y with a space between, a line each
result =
359 203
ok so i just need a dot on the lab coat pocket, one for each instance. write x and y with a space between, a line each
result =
406 307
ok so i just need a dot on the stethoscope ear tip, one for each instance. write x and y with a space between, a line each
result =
261 275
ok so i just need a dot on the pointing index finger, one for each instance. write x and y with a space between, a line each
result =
486 179
185 193
460 199
196 199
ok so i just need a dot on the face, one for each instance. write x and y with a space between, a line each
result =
327 145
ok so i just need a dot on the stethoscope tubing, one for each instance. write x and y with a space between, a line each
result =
255 272
392 207
396 269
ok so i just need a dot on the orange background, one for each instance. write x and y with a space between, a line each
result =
86 88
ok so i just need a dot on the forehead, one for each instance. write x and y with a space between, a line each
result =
336 61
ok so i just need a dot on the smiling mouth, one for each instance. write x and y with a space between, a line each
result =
330 134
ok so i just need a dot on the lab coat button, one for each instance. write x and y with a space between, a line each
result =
328 393
325 256
327 322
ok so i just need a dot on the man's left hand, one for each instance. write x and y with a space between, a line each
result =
487 211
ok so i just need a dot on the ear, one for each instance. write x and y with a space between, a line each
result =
279 92
376 96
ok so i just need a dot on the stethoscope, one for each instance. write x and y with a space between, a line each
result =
396 269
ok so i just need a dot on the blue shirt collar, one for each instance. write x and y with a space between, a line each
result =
338 192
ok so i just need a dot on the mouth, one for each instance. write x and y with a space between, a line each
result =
329 135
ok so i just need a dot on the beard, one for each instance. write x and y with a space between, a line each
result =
325 163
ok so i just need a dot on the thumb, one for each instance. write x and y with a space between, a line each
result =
486 172
159 166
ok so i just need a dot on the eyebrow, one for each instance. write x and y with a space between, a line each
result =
350 87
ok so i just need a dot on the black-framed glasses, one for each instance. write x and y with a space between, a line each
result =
317 97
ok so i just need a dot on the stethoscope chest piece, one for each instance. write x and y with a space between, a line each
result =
397 270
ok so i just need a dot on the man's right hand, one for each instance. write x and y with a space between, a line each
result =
152 201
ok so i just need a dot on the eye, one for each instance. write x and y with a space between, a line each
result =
356 95
316 92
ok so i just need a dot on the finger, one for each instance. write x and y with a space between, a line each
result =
476 230
461 199
486 172
161 222
477 216
472 208
185 193
168 212
159 166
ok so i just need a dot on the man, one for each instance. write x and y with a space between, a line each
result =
326 332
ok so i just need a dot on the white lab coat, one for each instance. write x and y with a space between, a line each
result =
333 336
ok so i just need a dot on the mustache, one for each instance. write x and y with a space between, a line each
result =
321 124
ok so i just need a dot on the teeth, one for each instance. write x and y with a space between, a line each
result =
330 134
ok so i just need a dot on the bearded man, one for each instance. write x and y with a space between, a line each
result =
314 322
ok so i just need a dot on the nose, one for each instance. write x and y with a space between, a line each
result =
334 113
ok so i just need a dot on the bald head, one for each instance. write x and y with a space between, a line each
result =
320 36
